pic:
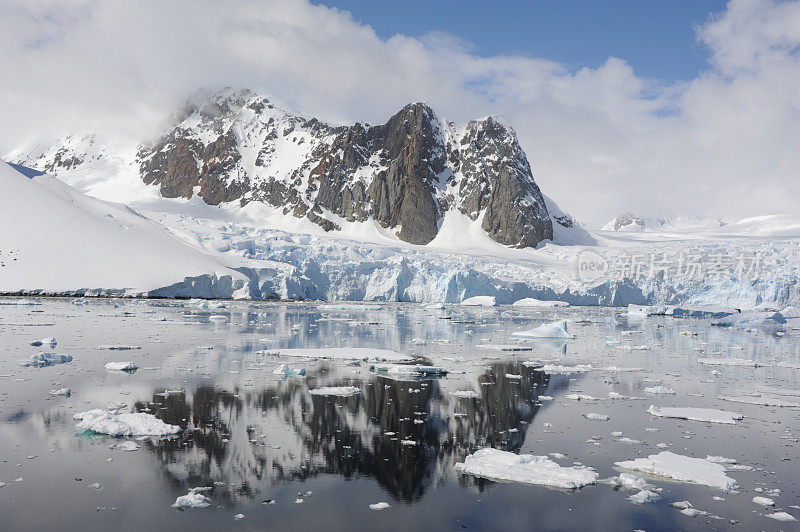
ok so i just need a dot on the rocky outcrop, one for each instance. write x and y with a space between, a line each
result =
405 174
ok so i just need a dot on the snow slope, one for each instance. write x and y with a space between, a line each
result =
57 240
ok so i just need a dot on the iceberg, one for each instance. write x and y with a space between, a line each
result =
113 424
556 329
494 464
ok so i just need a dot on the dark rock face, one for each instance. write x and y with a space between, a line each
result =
406 174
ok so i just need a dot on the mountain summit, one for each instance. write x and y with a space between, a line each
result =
406 174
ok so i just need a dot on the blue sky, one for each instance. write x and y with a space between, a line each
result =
657 38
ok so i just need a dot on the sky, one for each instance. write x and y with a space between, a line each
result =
657 108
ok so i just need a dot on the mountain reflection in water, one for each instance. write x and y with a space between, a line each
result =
407 434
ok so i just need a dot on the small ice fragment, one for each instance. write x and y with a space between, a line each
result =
135 424
595 417
193 499
644 496
659 390
556 329
683 469
763 501
64 392
122 366
465 394
41 360
238 517
49 342
339 391
379 506
782 516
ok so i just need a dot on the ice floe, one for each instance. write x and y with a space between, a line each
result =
659 390
465 394
119 347
494 464
343 353
49 342
194 499
122 366
553 330
41 360
479 301
531 302
759 400
64 392
340 391
742 362
132 424
711 415
682 469
379 506
782 516
285 371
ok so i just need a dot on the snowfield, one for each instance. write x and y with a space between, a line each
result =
185 248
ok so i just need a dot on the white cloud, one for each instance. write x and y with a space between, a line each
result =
601 140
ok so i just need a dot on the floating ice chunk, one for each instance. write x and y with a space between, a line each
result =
409 370
466 394
348 306
659 390
479 301
566 370
752 319
720 460
494 464
615 395
644 496
339 391
238 517
556 329
642 311
595 417
629 481
379 506
218 317
135 424
763 501
2 484
285 371
119 347
579 397
743 362
531 302
49 342
41 360
545 397
711 415
64 392
761 401
629 441
21 302
782 516
682 469
194 499
505 347
435 306
343 353
122 366
611 340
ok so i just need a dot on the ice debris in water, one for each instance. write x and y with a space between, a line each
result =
595 417
556 329
49 342
659 390
763 501
644 496
122 366
782 516
119 347
342 353
409 370
41 360
285 371
706 361
710 415
379 506
193 499
531 302
114 424
479 301
340 391
760 401
683 469
64 392
494 464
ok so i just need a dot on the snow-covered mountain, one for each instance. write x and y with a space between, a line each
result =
405 175
57 240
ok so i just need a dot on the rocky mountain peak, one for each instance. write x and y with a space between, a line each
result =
406 174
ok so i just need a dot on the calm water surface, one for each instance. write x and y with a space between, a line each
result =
254 436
